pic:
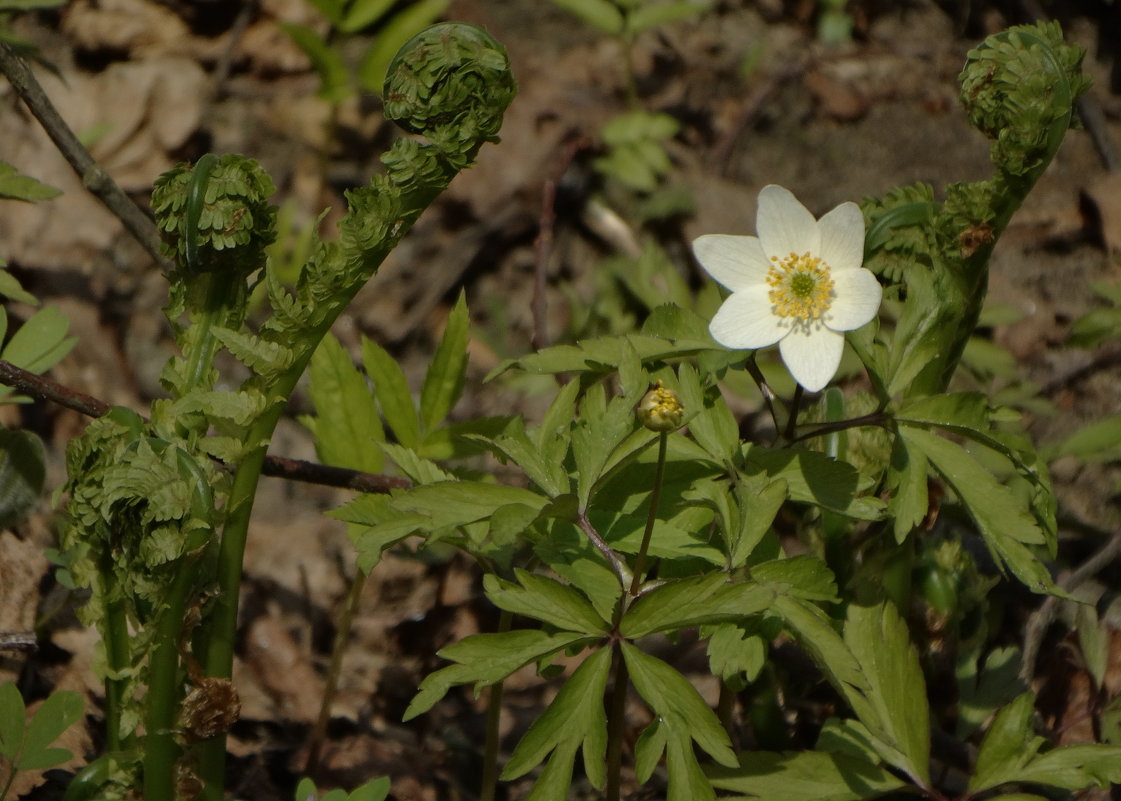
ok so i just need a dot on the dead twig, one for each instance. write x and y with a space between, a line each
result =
94 178
277 466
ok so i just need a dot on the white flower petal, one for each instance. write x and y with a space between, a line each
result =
856 299
732 261
784 225
745 320
842 237
812 355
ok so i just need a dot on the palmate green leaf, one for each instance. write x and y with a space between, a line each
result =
982 689
806 577
694 602
710 421
595 436
547 600
514 444
392 392
1076 767
812 477
1010 753
443 384
603 354
625 532
485 659
23 472
41 342
14 186
346 424
880 641
57 713
925 329
686 718
803 776
575 719
457 503
735 655
1006 526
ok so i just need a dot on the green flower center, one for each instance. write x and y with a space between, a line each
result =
800 287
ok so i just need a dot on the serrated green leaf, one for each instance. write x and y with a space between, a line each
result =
693 602
515 445
485 659
735 655
805 576
595 437
392 392
710 421
457 503
685 717
803 776
15 186
405 24
1094 328
603 354
12 714
880 641
812 477
57 713
443 384
599 14
547 600
41 342
346 426
1075 767
23 472
1009 745
1004 523
575 719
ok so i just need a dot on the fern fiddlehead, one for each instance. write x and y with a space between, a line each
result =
138 527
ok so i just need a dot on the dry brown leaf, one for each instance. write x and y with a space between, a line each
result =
282 670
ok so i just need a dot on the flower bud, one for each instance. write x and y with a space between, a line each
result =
660 409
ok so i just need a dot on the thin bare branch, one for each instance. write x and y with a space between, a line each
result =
94 178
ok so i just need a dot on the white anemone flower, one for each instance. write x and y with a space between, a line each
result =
799 283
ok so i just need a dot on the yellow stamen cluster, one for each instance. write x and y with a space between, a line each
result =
660 409
800 287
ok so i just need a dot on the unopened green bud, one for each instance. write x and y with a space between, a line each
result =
660 409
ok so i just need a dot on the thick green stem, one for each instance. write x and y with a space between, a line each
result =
161 751
117 656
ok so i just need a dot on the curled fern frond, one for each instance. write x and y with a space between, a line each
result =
451 84
215 216
1019 88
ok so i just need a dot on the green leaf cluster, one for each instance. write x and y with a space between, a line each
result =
25 744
